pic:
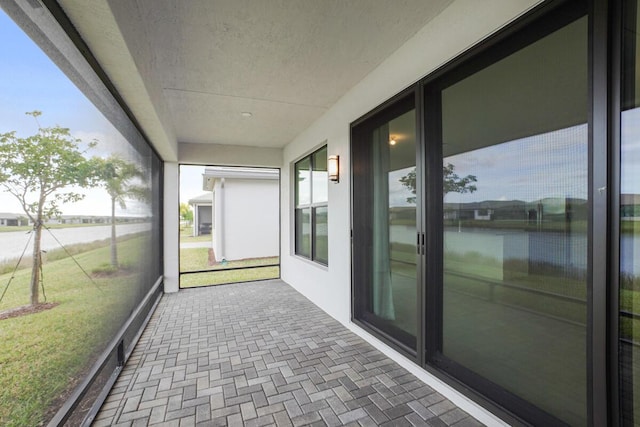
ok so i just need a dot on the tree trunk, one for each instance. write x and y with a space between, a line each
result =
114 248
37 263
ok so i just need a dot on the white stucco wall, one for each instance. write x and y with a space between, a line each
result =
246 219
171 233
250 212
457 28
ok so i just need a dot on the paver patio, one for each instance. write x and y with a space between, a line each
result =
259 354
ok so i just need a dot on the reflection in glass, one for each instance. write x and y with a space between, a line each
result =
320 176
303 232
515 212
312 197
630 222
387 226
320 224
303 181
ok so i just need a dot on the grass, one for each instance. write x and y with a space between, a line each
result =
630 227
44 355
196 259
536 290
186 237
233 276
488 273
9 265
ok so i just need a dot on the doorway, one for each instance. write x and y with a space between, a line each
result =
229 225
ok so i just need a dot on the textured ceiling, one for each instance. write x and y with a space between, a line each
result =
201 63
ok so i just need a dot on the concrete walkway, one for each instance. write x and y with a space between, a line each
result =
260 354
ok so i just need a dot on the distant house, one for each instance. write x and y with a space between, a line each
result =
245 212
12 220
629 206
202 213
550 209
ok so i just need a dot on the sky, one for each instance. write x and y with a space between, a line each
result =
630 165
529 169
30 81
190 182
553 164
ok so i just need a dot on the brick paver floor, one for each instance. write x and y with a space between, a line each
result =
260 354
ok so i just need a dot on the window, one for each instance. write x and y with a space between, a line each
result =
311 207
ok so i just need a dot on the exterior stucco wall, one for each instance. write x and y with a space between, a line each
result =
246 219
171 216
457 28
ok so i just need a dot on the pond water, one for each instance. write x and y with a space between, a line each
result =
12 243
554 248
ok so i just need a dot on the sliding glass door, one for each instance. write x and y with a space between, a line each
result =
514 188
471 220
385 219
629 227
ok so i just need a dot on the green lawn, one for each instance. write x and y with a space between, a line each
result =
233 276
186 236
46 354
9 265
196 259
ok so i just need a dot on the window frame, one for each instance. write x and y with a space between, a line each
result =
311 206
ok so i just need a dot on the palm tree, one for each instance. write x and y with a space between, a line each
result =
116 177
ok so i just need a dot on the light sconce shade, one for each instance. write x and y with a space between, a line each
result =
393 141
333 165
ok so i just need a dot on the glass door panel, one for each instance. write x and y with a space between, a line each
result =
629 322
515 209
386 286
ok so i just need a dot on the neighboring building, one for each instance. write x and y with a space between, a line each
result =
245 212
12 220
630 206
92 219
202 214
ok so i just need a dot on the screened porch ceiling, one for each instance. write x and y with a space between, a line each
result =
190 69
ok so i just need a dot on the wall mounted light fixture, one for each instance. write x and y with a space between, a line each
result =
333 165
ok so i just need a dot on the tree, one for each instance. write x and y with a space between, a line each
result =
116 175
37 171
451 182
186 213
